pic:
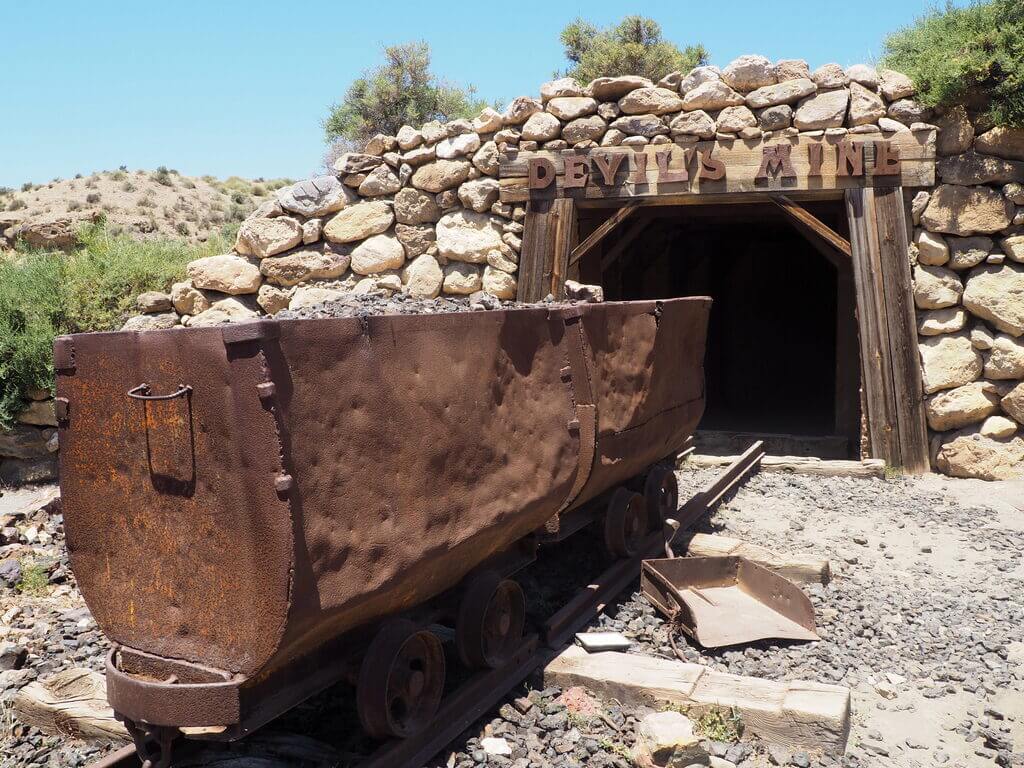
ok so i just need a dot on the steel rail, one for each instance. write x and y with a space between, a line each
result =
481 692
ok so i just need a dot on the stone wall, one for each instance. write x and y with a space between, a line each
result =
419 212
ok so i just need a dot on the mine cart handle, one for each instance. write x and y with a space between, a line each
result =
141 392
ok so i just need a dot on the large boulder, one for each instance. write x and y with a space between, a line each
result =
936 321
968 252
52 231
647 126
956 134
1005 360
462 279
312 295
948 361
698 76
895 85
415 207
962 406
749 72
423 277
487 160
932 248
668 739
572 107
563 87
826 109
479 195
302 264
379 182
972 168
959 210
468 236
542 126
1013 403
153 301
224 311
936 287
457 146
158 322
227 273
697 123
1013 247
25 442
996 293
786 92
520 109
711 95
499 283
265 237
315 197
441 175
359 221
415 238
614 88
650 101
377 254
356 162
866 106
1002 141
187 299
829 76
590 128
971 454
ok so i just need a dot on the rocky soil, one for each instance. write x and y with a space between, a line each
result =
921 620
160 203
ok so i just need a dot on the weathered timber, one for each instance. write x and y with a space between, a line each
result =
888 336
908 390
873 326
71 703
606 228
741 159
798 568
799 715
546 232
801 465
812 223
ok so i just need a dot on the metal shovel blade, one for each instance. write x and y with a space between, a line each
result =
727 600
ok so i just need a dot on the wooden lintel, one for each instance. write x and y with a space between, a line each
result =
602 232
815 225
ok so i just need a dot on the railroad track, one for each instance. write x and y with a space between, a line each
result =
484 690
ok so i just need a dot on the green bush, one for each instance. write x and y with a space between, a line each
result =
44 294
953 53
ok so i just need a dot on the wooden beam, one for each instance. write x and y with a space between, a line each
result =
796 714
812 223
602 231
798 568
566 235
798 465
627 237
905 360
71 703
543 236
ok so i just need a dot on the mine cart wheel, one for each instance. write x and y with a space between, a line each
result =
625 523
492 615
661 492
401 681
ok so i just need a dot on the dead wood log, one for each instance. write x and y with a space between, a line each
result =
801 465
70 703
796 714
798 568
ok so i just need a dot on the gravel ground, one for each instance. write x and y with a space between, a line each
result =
367 304
922 621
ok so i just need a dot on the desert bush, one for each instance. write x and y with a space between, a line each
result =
128 187
92 198
44 294
16 204
953 54
259 190
74 205
162 175
28 186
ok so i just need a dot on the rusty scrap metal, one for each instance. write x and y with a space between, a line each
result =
319 476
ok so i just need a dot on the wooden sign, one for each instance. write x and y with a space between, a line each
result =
781 164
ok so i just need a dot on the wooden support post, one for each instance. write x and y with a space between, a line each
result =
547 231
888 335
812 223
602 231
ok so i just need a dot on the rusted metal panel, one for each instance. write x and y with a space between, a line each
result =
320 475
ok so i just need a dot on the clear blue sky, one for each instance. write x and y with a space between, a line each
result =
237 87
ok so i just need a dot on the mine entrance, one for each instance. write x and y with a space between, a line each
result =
782 361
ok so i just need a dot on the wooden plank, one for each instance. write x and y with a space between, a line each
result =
880 405
796 714
908 391
812 223
741 159
801 465
540 236
798 568
566 234
71 703
601 232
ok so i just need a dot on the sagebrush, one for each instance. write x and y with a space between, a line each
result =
972 55
44 294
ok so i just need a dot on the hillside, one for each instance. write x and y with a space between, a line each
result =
145 204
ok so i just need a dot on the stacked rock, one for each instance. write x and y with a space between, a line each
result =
419 212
